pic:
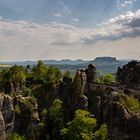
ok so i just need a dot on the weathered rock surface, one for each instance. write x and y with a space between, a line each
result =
122 124
2 127
11 121
129 74
90 73
7 114
82 102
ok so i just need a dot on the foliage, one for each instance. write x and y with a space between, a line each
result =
26 91
15 136
44 114
82 127
56 113
39 71
17 74
53 75
17 109
130 102
55 118
101 134
4 76
25 107
105 79
67 74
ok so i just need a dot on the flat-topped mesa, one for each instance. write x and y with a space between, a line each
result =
129 75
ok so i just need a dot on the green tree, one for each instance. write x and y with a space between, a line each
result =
39 71
5 80
18 77
56 116
14 78
53 75
15 136
82 127
106 78
101 134
67 74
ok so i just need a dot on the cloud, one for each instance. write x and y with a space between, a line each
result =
57 14
29 40
75 19
65 6
20 40
125 3
1 17
119 27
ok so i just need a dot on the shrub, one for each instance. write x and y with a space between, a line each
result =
15 136
17 109
129 102
101 134
105 79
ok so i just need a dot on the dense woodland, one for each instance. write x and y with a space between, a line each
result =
37 82
50 105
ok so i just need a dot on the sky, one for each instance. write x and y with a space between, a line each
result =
69 29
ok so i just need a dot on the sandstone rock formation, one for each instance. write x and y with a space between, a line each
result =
90 72
82 102
2 127
122 124
11 120
65 94
129 74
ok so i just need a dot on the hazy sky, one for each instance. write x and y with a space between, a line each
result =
69 29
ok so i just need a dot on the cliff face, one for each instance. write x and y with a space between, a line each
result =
112 106
7 115
129 74
107 104
122 123
17 114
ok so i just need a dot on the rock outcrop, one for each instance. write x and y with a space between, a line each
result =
82 102
129 75
105 104
122 124
91 72
7 114
16 112
2 127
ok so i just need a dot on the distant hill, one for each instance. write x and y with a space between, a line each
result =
48 62
65 62
106 64
103 64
